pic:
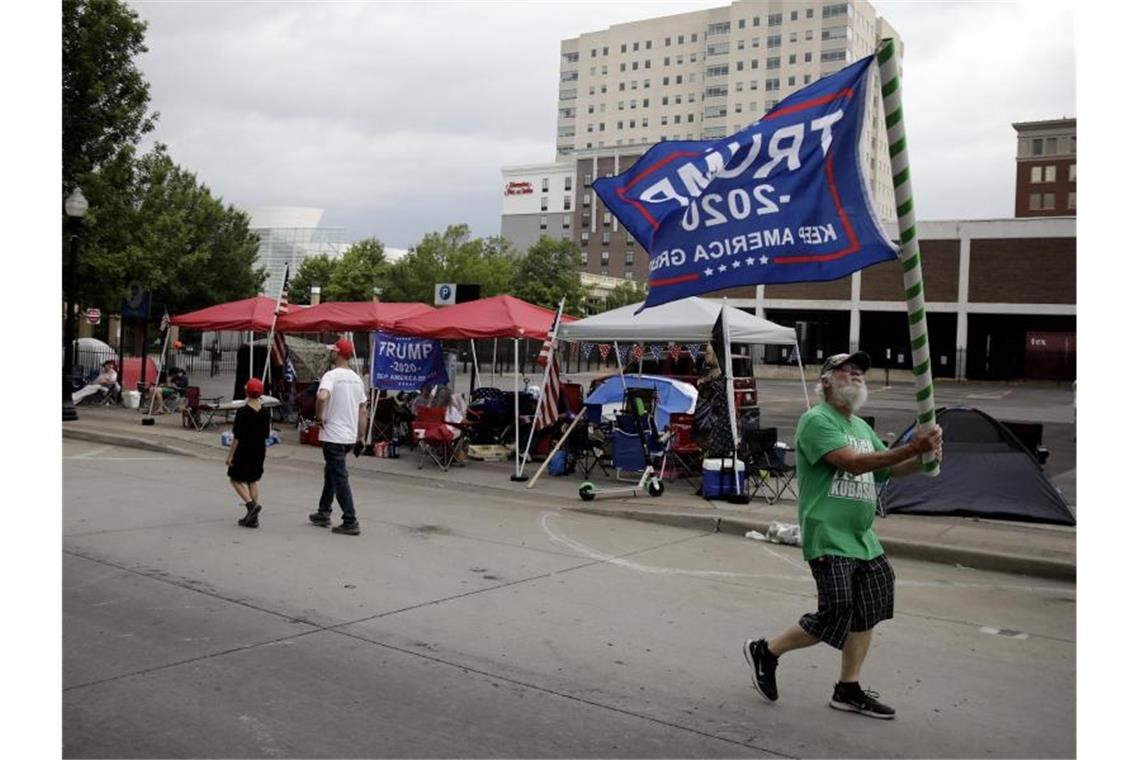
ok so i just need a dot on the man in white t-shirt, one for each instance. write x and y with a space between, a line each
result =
341 413
105 383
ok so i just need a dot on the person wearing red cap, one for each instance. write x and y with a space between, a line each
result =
245 462
341 413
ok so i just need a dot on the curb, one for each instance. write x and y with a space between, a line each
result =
126 441
1001 562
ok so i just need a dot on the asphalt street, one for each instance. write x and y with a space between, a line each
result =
491 626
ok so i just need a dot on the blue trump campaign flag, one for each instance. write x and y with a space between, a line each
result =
405 363
783 200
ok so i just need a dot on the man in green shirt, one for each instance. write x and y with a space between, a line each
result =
839 461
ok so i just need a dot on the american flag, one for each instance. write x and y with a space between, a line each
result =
547 413
165 324
280 350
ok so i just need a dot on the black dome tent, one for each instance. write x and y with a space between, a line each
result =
986 472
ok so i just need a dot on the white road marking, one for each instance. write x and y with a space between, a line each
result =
89 454
558 537
1019 635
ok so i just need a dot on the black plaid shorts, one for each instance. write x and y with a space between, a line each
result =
854 595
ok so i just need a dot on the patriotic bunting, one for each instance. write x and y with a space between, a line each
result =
657 351
586 349
694 349
675 351
604 350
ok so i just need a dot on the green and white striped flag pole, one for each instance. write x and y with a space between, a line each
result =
891 84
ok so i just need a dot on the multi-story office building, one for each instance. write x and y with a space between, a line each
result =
289 235
1046 168
708 74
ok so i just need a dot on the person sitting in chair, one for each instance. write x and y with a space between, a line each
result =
174 387
105 382
455 415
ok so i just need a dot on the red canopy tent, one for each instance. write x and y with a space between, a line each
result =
352 316
495 317
247 314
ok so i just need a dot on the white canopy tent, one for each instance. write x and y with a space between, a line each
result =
688 320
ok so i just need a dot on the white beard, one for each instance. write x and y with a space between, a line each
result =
851 394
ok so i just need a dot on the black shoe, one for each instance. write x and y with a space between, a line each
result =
252 509
320 519
848 696
347 529
762 663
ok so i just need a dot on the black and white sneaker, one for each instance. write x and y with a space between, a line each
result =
320 519
762 664
849 697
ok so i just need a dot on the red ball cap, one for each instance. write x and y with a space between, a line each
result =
254 388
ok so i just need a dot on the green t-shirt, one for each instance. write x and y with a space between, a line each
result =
836 508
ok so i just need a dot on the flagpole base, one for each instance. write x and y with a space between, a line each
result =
738 498
519 478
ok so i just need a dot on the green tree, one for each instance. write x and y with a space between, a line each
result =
155 223
548 273
624 294
105 96
315 270
362 267
451 256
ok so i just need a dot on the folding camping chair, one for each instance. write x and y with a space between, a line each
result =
684 455
435 440
198 412
765 461
384 420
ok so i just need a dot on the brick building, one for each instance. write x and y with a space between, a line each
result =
1046 168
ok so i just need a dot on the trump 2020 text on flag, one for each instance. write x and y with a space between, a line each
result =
783 200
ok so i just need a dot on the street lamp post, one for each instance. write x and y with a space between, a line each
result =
76 207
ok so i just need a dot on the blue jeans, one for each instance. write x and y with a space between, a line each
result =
336 482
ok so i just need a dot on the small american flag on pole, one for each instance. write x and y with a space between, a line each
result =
280 350
548 405
165 324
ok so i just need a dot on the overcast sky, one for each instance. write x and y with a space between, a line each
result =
397 118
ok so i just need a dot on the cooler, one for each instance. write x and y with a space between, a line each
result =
716 479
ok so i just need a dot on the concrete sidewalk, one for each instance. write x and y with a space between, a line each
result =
1023 548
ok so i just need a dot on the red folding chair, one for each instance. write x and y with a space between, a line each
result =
684 455
434 438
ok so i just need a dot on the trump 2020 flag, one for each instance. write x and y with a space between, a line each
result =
783 200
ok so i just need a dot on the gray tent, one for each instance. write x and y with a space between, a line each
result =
986 472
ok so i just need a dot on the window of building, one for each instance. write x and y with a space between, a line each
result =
807 78
668 41
1072 200
1038 146
791 81
566 222
636 45
839 9
644 121
755 21
792 37
621 67
606 237
775 19
740 86
771 84
1050 146
740 44
794 15
832 55
739 107
606 49
585 219
740 65
755 42
740 24
692 57
1050 173
1072 172
543 204
542 222
606 218
629 258
809 35
645 102
753 85
1049 201
774 40
585 258
565 235
593 52
810 13
605 70
807 57
545 185
566 203
623 47
792 58
1035 174
605 258
1035 202
666 60
584 238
